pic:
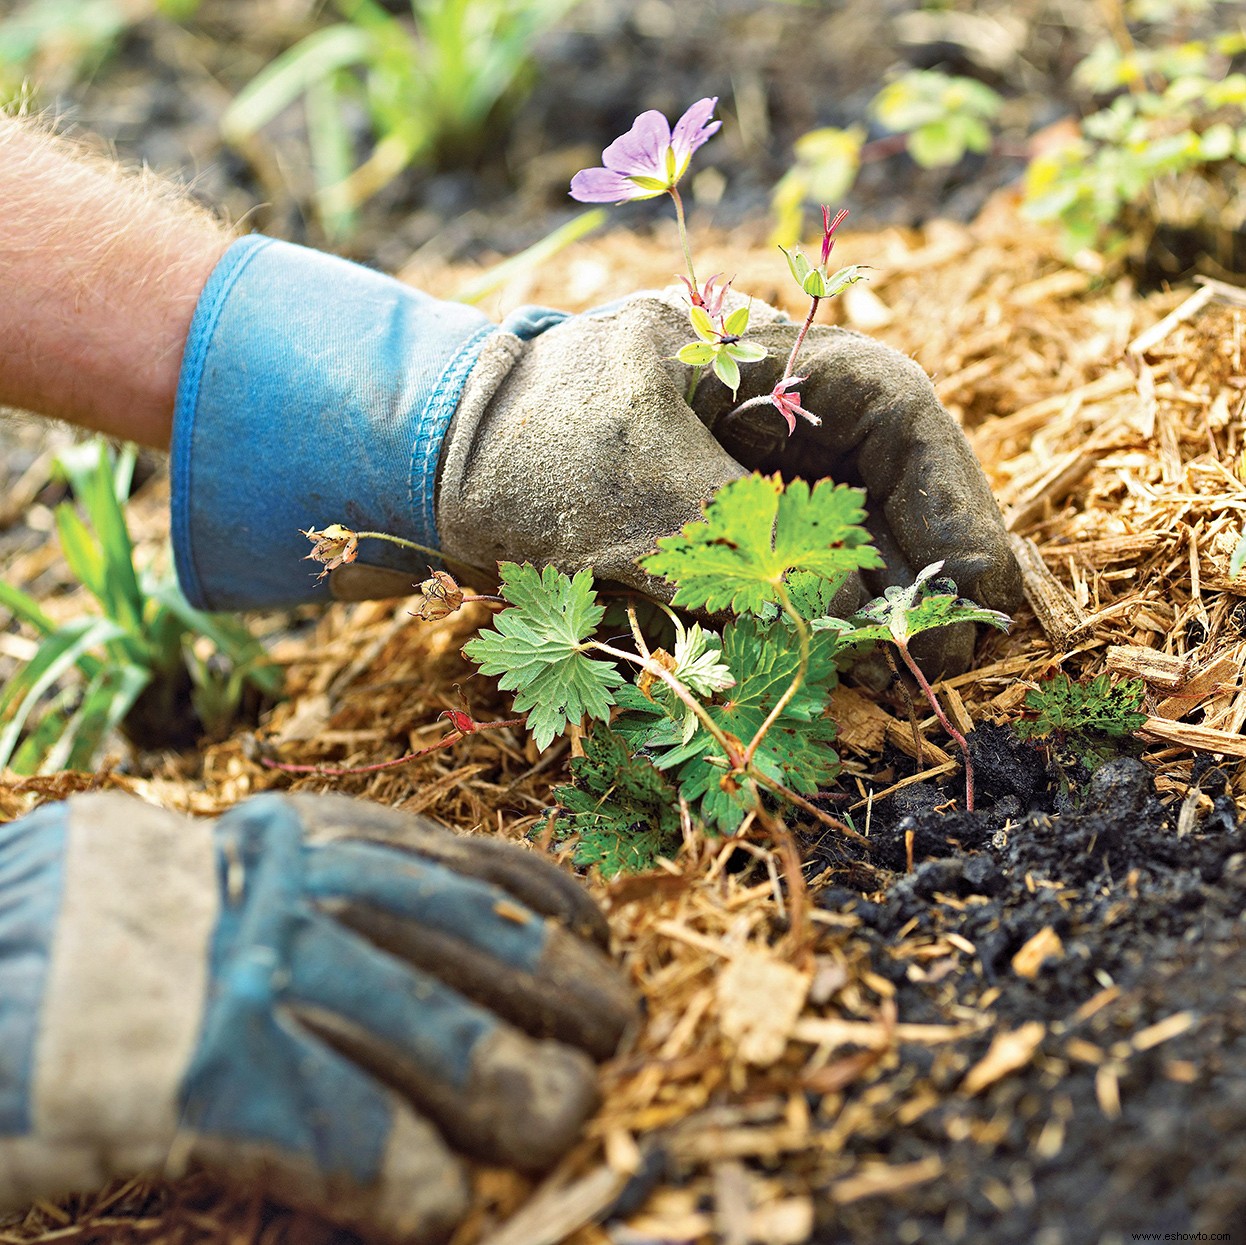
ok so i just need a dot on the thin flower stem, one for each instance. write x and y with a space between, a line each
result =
335 771
400 540
693 381
800 337
639 636
916 671
683 235
660 671
813 810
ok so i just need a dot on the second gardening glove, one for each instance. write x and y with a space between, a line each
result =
319 998
314 391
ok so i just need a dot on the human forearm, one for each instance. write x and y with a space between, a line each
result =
99 275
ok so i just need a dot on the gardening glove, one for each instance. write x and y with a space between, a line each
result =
313 996
314 391
578 448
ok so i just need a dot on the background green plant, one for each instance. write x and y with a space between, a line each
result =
1162 142
146 649
431 88
65 41
1090 721
940 117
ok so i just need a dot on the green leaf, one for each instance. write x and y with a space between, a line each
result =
939 143
1089 719
107 700
754 533
1238 559
284 79
625 813
814 283
56 656
797 262
537 650
102 556
843 279
929 602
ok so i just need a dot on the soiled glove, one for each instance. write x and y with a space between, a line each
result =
313 995
314 391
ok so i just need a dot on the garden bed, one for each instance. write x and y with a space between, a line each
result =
1019 1024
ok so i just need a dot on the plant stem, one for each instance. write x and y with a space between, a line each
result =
834 823
683 235
400 540
916 671
802 632
800 337
660 671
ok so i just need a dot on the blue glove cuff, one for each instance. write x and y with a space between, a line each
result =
312 391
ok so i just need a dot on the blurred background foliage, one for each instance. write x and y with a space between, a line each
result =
380 126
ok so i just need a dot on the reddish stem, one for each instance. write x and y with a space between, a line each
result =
331 771
800 337
944 720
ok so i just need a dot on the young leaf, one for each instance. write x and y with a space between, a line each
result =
537 650
754 533
796 750
903 612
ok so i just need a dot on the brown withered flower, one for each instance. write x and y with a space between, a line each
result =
440 596
333 546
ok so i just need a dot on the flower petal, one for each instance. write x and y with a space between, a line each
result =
746 352
692 130
605 186
642 149
696 354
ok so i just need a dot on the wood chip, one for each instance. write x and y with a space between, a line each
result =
1036 951
1008 1053
881 1179
1058 614
759 1000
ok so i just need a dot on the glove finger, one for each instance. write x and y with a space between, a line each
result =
476 938
330 817
339 1145
494 1093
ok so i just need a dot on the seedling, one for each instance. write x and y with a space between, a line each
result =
900 614
136 660
1092 721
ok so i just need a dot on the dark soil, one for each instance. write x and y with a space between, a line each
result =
1150 920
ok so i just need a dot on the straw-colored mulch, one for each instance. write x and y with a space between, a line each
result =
1114 430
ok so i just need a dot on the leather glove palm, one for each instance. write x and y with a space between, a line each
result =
313 995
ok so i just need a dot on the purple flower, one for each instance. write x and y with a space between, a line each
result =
649 159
